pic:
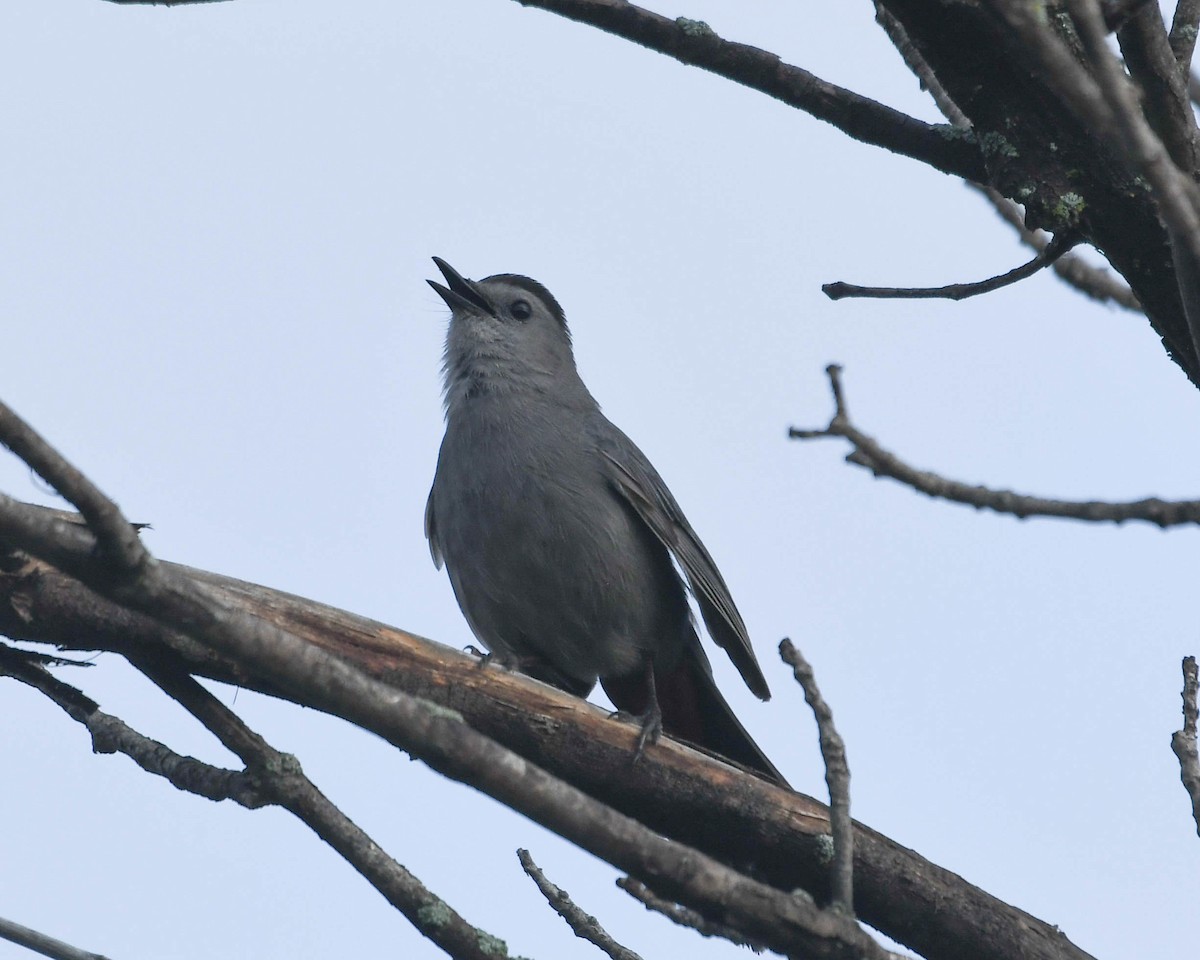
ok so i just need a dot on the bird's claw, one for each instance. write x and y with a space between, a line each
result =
651 727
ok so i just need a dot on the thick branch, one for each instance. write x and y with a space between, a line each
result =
1091 281
444 742
868 453
675 791
1107 105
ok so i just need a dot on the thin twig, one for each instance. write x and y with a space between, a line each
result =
917 64
684 916
1183 742
115 535
47 946
869 454
161 3
837 778
280 778
112 735
583 924
1094 282
956 291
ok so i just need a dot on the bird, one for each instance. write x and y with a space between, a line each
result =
563 545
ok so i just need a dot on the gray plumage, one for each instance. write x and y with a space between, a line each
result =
558 533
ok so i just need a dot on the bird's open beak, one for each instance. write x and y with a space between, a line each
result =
460 293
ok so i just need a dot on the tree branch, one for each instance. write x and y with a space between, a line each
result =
161 3
869 454
957 291
837 778
111 735
43 944
786 923
1107 105
695 43
281 779
582 924
682 915
1183 33
675 791
1183 742
1094 282
1152 65
1088 280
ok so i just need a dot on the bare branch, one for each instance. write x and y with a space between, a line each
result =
956 291
115 535
584 925
1091 281
684 916
1094 282
921 70
280 777
43 944
112 735
697 44
1183 33
1107 105
1164 98
868 453
271 777
676 792
837 778
161 3
443 741
1183 742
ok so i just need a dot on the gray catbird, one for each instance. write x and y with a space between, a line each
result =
559 535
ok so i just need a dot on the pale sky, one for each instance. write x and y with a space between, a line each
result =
217 228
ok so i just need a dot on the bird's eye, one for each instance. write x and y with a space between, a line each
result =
520 309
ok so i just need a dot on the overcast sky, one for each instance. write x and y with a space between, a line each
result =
217 227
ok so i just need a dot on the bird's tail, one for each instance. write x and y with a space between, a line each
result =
694 711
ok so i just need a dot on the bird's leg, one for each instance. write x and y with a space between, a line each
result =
650 719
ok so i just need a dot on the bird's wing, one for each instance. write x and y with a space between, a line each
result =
643 489
435 549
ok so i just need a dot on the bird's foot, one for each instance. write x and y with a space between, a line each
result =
650 723
489 658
